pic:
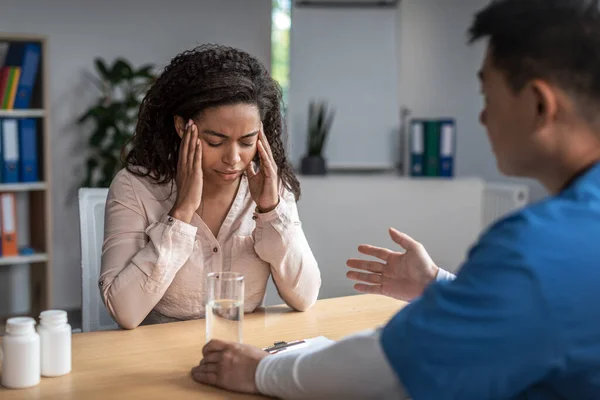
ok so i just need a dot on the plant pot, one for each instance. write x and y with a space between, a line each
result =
313 165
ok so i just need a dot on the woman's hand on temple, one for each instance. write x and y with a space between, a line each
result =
189 177
263 182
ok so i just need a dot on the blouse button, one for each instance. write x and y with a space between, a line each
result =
254 217
215 250
170 219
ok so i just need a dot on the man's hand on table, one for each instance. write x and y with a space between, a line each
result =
230 366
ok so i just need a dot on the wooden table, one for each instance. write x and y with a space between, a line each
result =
155 361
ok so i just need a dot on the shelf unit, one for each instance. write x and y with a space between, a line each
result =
33 113
28 259
23 187
39 207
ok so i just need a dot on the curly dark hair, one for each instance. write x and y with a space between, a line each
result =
206 76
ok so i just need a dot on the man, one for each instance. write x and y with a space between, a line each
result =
522 318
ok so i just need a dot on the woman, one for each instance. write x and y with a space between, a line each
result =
207 187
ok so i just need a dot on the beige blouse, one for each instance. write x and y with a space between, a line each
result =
154 266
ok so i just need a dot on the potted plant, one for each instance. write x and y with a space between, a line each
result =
114 116
320 120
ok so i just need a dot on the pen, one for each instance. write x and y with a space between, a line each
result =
279 347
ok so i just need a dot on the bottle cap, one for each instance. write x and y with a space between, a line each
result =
53 317
20 326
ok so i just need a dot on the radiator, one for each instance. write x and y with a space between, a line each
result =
501 199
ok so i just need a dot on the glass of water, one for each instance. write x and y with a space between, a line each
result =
224 306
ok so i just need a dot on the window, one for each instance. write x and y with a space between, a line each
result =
280 44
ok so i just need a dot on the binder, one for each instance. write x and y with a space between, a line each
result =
1 229
29 71
3 52
447 147
432 146
14 61
1 169
417 146
9 224
7 83
10 90
10 151
28 155
4 75
14 55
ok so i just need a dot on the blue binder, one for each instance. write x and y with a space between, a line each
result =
447 147
10 151
417 147
1 151
28 155
14 55
29 70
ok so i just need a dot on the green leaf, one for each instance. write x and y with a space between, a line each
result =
91 165
145 71
98 112
84 117
312 127
326 128
320 117
319 125
98 136
131 102
102 69
87 182
119 141
108 170
104 182
121 71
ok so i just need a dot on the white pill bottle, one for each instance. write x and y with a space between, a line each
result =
55 335
20 354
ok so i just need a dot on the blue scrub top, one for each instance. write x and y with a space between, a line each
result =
522 318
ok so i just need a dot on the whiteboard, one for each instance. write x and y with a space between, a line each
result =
346 56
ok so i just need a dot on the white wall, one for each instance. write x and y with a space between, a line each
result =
444 215
142 31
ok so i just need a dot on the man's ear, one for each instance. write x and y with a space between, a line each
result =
546 102
179 125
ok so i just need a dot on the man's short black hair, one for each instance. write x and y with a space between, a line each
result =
554 40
